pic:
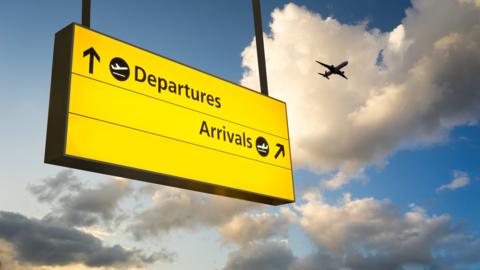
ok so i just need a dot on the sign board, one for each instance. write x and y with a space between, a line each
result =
121 110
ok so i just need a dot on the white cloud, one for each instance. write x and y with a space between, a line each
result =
341 177
460 179
396 39
426 85
374 234
369 224
364 234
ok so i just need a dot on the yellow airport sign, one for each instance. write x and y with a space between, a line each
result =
121 110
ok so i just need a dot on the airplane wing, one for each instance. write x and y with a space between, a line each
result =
325 65
342 65
341 74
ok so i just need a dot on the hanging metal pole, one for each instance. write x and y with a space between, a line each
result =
262 69
86 6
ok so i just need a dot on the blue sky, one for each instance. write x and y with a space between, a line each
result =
390 136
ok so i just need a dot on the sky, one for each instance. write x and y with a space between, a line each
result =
386 163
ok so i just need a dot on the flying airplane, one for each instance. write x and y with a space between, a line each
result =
333 69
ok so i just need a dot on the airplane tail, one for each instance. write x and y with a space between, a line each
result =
324 75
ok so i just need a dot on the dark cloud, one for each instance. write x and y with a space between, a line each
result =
118 255
40 242
52 187
174 209
91 206
317 261
246 228
265 256
76 204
